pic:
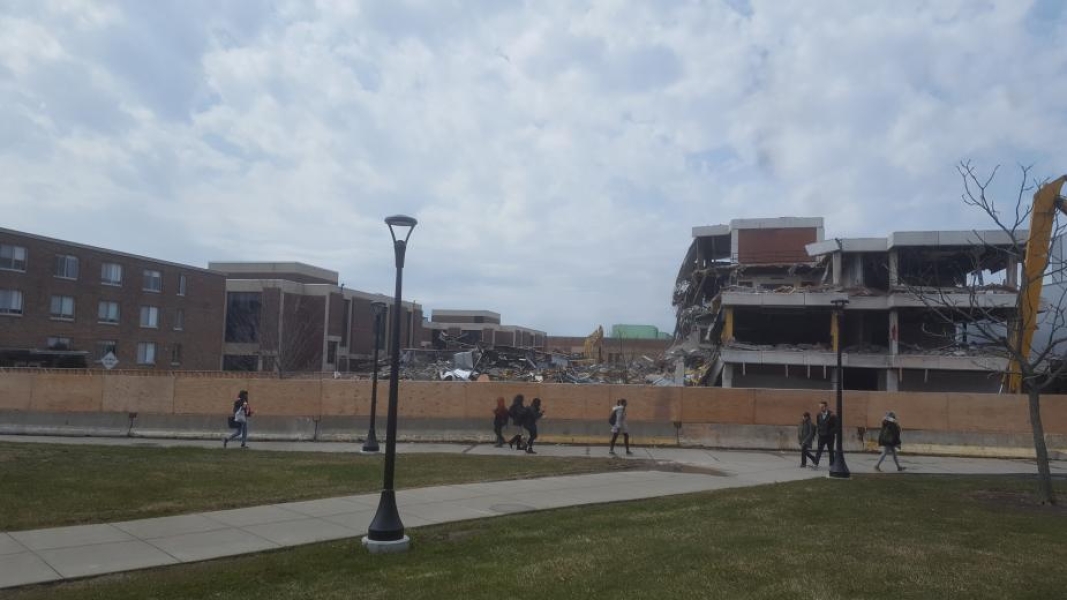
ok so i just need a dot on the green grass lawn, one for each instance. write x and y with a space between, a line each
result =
45 485
880 537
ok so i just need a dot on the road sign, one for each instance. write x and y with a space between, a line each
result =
109 361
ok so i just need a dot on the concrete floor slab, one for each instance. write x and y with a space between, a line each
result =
8 545
69 537
25 568
105 558
303 531
147 529
212 544
253 515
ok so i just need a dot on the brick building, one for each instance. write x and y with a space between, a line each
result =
64 304
291 317
481 327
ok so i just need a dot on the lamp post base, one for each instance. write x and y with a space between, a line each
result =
390 547
370 446
839 470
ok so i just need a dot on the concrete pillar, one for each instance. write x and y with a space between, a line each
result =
894 332
894 269
728 325
727 376
837 268
1013 272
892 382
833 331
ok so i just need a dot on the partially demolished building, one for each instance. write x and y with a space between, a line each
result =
755 307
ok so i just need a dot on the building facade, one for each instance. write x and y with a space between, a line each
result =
64 304
757 298
292 318
474 327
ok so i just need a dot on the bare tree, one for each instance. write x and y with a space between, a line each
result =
962 304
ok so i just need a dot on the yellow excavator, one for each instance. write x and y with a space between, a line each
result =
1047 201
593 345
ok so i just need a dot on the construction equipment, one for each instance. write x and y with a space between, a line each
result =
595 342
1047 201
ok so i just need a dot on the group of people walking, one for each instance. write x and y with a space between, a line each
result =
825 430
524 417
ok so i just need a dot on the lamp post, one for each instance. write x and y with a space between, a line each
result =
371 445
386 531
839 469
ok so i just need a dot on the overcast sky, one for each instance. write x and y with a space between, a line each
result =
556 154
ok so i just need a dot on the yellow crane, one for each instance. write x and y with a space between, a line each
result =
1047 201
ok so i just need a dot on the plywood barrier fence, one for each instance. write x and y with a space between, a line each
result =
974 413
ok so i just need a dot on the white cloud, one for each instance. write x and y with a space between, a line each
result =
556 154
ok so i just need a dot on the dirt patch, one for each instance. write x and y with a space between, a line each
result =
1021 501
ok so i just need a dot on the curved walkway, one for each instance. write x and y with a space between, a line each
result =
44 555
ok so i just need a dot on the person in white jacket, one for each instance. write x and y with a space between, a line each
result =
618 425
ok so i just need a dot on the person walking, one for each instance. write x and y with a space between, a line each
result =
533 415
618 425
517 412
825 427
805 436
500 420
889 440
239 422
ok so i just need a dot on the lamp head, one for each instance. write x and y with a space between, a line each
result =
398 224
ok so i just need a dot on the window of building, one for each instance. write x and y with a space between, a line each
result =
181 285
63 307
12 258
10 302
153 281
242 317
105 346
66 266
59 343
150 317
146 353
111 274
108 312
179 320
331 353
175 354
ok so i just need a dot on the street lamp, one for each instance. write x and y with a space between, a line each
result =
839 469
386 531
371 445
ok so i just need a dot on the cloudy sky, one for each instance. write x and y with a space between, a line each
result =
556 154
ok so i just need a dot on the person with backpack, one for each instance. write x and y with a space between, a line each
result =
889 440
239 421
805 436
533 414
618 425
500 420
517 412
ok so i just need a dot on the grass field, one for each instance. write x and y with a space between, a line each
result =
879 537
45 485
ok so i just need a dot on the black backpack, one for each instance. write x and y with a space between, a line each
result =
614 416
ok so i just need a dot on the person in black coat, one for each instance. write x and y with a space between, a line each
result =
517 412
889 440
826 428
533 415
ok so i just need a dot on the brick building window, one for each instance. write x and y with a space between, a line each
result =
10 302
63 307
331 353
179 320
59 343
181 285
175 354
105 346
12 258
150 317
153 281
111 274
66 266
108 312
146 353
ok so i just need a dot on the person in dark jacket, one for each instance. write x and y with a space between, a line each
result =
241 411
500 420
889 440
517 412
825 427
805 436
533 415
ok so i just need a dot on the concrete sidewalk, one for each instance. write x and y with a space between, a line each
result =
69 552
